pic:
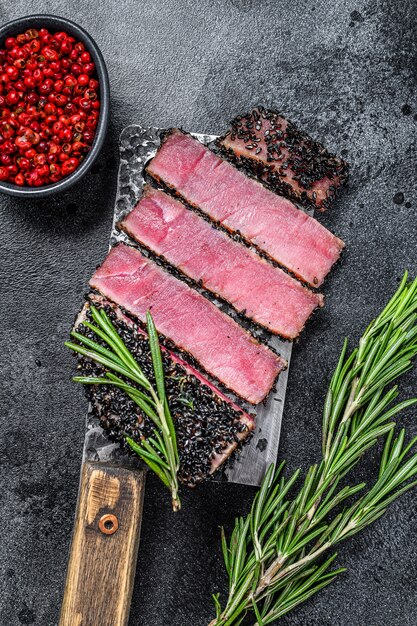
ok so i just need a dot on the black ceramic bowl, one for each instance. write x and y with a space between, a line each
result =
54 24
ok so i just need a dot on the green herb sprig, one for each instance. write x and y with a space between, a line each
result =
274 557
159 451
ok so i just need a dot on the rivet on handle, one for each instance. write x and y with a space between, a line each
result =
108 524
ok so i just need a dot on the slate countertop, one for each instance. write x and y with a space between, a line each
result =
346 72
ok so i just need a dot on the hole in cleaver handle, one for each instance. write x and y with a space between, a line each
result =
103 554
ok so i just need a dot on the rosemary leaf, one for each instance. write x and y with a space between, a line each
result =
274 557
159 452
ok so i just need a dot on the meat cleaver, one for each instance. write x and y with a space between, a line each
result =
105 541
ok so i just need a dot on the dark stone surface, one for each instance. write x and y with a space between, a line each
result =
346 71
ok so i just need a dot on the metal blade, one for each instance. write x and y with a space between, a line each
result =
137 146
98 447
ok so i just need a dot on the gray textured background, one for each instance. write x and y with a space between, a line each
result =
346 71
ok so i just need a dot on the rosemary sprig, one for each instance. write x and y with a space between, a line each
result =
274 556
159 451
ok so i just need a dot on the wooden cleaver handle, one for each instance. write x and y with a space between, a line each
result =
104 548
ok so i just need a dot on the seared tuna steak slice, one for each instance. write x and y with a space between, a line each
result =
289 161
225 267
209 426
194 324
241 204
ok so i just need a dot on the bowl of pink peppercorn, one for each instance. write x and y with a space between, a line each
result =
54 105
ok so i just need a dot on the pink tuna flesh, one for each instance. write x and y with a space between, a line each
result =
250 284
222 347
275 225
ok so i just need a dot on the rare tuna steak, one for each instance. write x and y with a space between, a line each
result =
209 426
225 267
222 347
240 204
289 161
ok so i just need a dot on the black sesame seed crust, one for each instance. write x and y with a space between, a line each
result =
308 159
206 424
